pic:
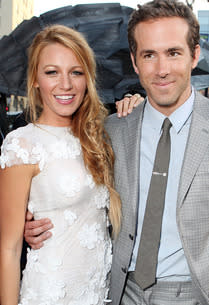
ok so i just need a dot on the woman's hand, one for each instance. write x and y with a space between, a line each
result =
126 105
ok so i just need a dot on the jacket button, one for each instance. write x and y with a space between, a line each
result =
124 270
131 236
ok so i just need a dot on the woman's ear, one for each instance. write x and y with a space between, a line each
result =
36 85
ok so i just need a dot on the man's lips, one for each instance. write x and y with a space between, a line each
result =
162 84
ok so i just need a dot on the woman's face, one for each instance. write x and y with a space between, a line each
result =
62 84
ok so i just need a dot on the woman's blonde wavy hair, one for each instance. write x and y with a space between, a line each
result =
88 120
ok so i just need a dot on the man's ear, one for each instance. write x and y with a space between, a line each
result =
134 64
196 56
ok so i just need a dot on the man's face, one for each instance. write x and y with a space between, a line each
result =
164 62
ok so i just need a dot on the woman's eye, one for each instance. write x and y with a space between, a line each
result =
77 73
51 72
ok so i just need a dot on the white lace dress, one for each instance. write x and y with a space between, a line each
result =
73 266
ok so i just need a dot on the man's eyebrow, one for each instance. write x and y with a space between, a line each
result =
173 49
151 51
147 51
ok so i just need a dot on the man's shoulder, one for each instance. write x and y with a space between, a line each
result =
199 96
114 124
113 120
201 104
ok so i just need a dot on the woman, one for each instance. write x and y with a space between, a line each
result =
59 166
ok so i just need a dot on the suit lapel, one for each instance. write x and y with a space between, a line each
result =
198 137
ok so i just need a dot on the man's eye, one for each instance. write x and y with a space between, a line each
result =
148 56
174 54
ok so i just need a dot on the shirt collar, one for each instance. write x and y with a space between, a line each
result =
178 118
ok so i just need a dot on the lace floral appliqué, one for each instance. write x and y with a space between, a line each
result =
90 235
102 198
12 151
69 185
90 181
70 217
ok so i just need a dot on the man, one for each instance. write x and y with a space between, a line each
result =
163 37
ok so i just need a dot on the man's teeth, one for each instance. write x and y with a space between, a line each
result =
64 97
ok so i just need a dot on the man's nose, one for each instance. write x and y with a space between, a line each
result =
163 67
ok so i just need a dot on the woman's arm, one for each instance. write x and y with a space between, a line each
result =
15 184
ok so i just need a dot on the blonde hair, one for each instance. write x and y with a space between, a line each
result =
88 120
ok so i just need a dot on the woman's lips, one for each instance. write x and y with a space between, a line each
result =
65 99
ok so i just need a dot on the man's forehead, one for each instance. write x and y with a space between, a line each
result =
159 24
162 33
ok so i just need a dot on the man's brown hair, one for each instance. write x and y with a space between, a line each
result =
158 9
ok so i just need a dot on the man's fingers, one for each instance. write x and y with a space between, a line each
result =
35 230
29 216
37 223
37 242
38 246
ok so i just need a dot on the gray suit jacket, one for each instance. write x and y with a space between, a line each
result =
193 196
